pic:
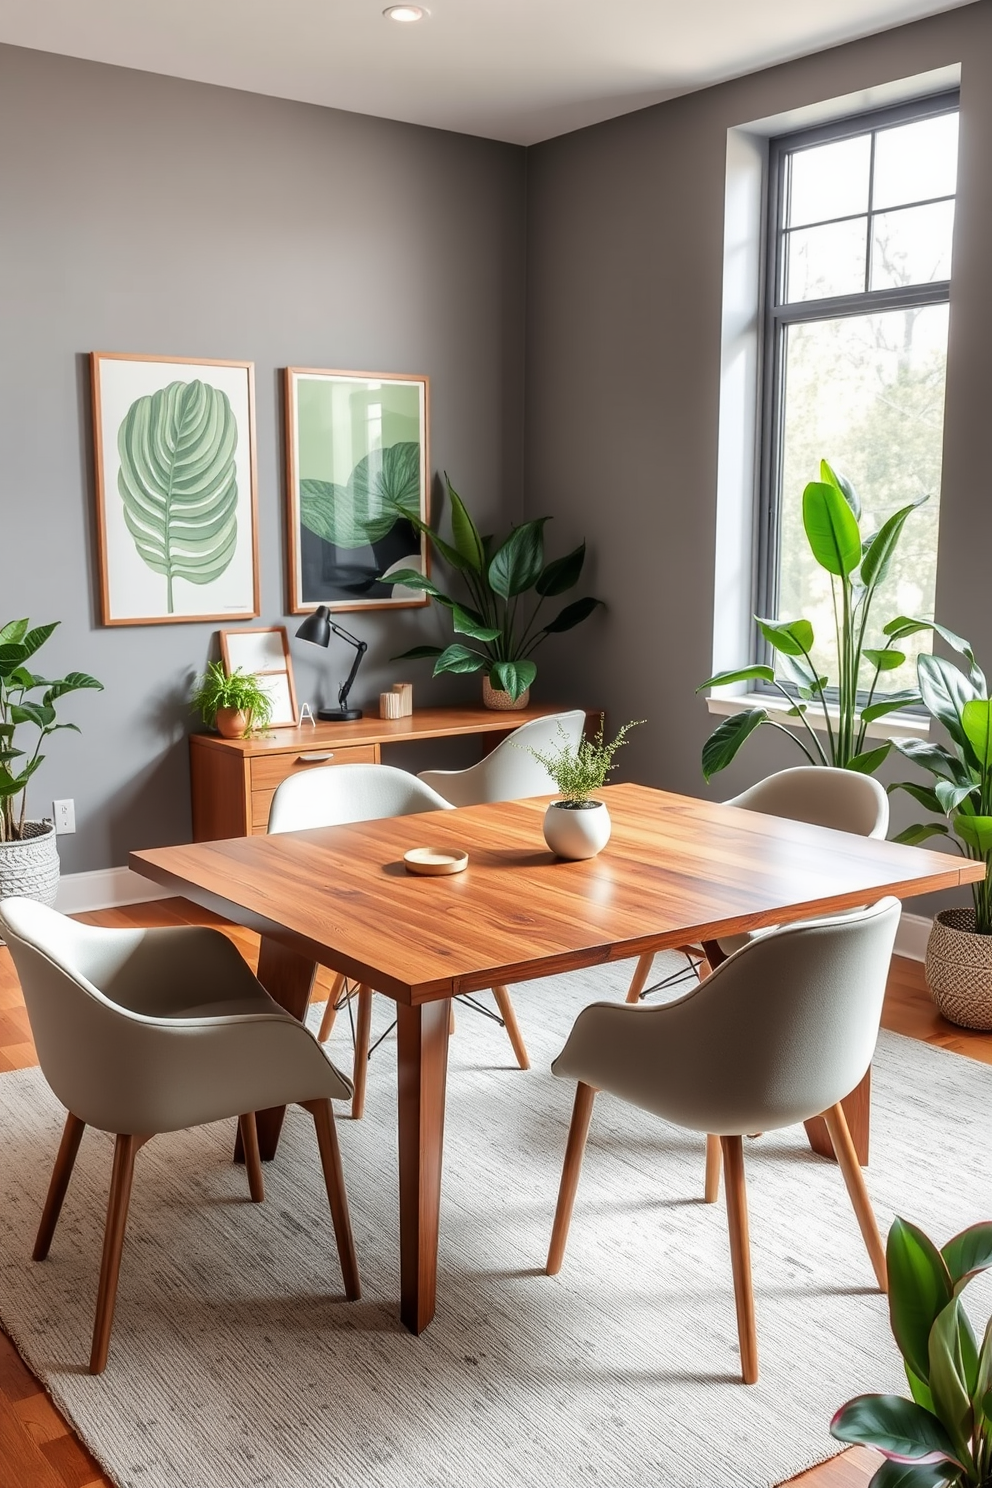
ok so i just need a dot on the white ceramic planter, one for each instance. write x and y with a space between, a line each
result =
577 831
29 868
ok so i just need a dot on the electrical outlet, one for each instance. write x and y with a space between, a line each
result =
64 815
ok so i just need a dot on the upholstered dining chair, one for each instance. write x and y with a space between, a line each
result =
509 772
819 794
141 1032
779 1033
333 797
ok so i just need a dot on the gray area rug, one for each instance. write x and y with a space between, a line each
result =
236 1361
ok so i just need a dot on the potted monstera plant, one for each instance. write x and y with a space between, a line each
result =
959 951
29 860
502 618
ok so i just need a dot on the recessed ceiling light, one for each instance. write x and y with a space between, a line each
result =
406 12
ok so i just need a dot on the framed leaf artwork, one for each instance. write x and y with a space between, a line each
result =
356 487
174 444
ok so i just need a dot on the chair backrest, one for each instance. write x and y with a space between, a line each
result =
509 772
778 1033
823 796
338 794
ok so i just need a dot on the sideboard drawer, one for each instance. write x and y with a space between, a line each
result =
268 772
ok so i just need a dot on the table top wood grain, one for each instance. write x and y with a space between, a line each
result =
676 869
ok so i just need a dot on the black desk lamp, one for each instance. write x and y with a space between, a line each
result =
318 628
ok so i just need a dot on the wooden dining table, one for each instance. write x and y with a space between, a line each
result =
676 871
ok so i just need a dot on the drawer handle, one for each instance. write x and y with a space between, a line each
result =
314 759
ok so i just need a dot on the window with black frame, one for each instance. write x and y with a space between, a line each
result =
861 216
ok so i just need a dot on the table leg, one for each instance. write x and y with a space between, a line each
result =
288 977
857 1109
422 1052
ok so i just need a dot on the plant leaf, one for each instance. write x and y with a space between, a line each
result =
178 482
953 1372
73 682
793 637
935 758
925 794
975 830
513 677
919 1290
920 831
898 1427
945 690
891 704
416 653
868 761
894 1474
976 721
835 478
517 564
831 528
949 797
458 658
725 740
968 1253
13 632
411 578
573 614
468 624
878 558
466 537
743 674
562 573
37 637
884 661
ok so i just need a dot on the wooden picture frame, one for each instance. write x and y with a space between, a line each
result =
354 441
263 650
175 545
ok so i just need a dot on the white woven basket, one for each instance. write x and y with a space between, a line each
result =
29 867
959 969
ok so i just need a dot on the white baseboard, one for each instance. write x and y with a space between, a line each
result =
912 936
106 888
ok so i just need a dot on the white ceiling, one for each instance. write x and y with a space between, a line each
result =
517 70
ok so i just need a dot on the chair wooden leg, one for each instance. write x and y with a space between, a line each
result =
847 1161
72 1135
363 1037
641 973
509 1017
714 1163
740 1255
253 1162
113 1244
330 1011
337 1197
576 1146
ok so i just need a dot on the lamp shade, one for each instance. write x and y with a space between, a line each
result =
316 628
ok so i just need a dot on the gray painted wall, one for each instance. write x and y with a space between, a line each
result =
141 213
625 262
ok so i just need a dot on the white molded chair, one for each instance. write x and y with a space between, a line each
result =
140 1032
777 1034
509 773
333 797
819 794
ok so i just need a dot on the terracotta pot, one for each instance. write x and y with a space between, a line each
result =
494 697
29 867
959 969
577 830
232 723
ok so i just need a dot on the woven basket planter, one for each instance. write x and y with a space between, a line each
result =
29 868
959 969
494 697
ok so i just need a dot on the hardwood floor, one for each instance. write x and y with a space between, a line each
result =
39 1450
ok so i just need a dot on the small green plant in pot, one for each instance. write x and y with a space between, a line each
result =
959 952
576 826
943 1436
857 569
234 705
29 861
501 620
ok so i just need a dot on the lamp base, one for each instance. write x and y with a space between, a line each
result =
338 715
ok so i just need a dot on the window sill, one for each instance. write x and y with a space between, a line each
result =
901 725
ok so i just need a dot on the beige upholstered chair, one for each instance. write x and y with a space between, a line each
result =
333 797
146 1031
779 1033
509 773
822 795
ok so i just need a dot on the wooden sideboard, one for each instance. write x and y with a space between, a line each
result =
233 779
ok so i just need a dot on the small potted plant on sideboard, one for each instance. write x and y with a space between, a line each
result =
234 705
29 860
577 826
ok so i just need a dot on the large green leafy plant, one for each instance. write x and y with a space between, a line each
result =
19 709
944 1434
178 481
507 585
858 567
962 785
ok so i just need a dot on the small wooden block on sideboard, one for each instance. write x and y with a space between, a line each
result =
233 780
